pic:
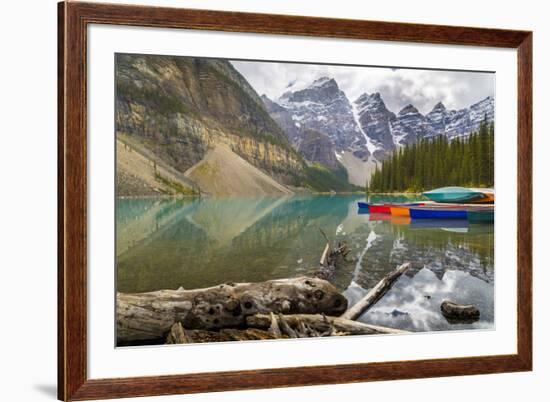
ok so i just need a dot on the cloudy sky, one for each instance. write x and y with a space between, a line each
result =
398 86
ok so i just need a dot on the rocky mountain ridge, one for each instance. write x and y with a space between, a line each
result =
324 107
366 131
177 109
409 125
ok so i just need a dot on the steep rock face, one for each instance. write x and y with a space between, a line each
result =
375 122
410 126
481 110
317 147
386 131
366 132
323 107
284 119
138 173
462 122
179 107
438 117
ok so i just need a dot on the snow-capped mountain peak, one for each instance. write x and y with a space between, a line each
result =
437 117
439 106
409 110
410 126
324 107
460 123
374 120
366 130
323 81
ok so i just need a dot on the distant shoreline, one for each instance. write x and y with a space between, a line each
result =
396 193
186 196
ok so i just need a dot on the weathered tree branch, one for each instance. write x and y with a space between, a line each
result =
375 293
331 258
322 325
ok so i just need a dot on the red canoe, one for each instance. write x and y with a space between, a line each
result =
386 208
379 209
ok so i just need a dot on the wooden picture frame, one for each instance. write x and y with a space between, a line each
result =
74 17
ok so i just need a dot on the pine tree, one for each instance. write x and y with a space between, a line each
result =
485 167
438 162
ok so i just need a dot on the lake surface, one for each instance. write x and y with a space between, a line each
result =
167 243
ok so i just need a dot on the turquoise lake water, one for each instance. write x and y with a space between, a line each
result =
166 243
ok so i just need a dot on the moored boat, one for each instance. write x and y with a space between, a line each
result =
437 213
397 209
453 195
481 215
451 211
488 196
401 210
379 208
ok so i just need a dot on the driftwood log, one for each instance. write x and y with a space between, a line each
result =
150 316
286 308
375 294
316 325
263 326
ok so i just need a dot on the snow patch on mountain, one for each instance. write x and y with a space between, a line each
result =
371 146
460 123
374 120
323 107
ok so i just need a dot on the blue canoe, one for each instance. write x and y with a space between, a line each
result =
363 205
438 213
454 195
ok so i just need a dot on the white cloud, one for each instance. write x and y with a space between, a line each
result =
398 86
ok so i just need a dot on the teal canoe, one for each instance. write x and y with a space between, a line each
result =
486 216
453 195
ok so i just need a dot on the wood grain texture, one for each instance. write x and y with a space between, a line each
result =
60 201
525 201
299 376
296 25
74 18
73 195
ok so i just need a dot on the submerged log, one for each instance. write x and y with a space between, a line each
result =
459 313
331 259
375 293
319 325
150 316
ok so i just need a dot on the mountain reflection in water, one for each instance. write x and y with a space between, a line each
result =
167 243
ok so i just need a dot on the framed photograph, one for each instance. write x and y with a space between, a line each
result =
252 201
